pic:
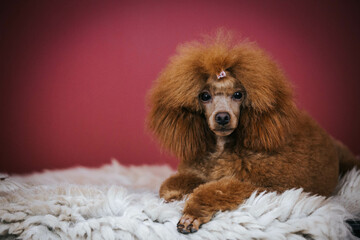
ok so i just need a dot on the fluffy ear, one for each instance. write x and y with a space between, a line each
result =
268 113
181 131
175 115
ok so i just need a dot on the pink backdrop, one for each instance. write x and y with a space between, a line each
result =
74 74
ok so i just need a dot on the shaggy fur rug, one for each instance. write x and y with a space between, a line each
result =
118 202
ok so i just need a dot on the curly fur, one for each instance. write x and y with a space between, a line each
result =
275 146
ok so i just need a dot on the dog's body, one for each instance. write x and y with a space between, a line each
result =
228 113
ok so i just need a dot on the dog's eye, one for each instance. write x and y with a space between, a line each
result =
205 96
237 95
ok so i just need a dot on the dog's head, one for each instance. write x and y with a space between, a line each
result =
219 88
221 100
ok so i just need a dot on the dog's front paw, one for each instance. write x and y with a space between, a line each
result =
188 224
172 195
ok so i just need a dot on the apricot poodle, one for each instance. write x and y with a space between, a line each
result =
227 112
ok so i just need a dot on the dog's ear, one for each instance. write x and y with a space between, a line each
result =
175 115
181 131
268 112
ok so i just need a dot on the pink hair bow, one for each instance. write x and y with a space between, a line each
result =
221 74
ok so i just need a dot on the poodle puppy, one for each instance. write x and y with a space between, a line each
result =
227 112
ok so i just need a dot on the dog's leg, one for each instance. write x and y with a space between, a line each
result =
178 185
207 199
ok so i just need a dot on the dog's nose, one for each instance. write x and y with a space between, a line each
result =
222 118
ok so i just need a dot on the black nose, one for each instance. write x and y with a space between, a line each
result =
222 118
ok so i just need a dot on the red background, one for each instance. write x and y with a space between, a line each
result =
74 74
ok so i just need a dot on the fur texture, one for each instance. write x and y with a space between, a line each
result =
274 147
118 202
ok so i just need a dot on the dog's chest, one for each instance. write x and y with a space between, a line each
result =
228 166
224 162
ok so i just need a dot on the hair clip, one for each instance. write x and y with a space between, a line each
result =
221 74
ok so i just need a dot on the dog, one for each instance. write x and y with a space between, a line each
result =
226 110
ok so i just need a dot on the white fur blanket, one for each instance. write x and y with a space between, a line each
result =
117 202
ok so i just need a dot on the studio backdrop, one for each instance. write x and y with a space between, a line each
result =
74 74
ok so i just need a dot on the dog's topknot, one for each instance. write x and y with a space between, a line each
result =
176 116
